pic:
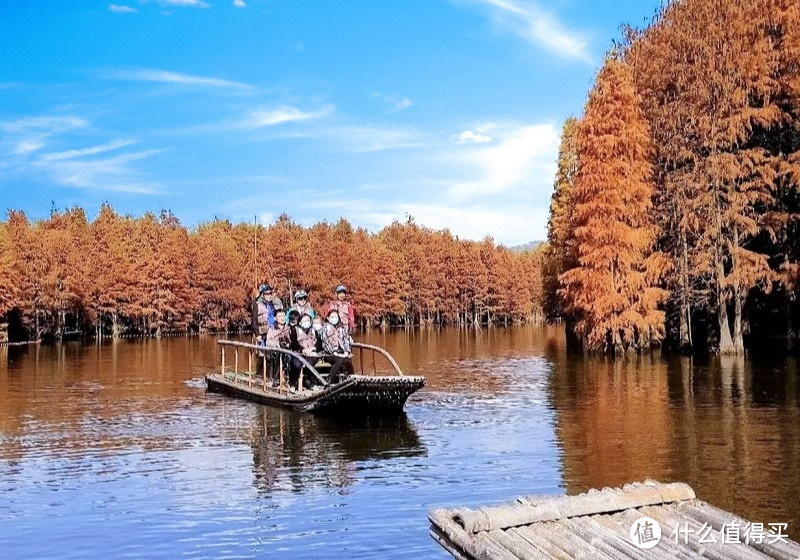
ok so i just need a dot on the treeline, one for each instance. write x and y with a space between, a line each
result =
676 214
150 275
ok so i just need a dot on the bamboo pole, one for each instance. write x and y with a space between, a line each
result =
222 367
280 374
236 364
264 375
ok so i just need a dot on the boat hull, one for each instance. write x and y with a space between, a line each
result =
357 394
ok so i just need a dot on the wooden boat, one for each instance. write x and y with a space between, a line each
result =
362 392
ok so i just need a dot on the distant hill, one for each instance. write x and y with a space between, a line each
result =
526 247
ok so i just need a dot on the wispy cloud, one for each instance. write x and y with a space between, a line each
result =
122 9
359 138
43 124
191 3
396 103
105 167
469 136
168 77
400 104
280 115
530 22
30 134
239 4
90 151
114 173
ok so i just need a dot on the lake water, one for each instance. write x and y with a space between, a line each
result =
118 451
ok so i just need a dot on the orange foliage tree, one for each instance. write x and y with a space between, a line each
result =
613 291
150 275
718 83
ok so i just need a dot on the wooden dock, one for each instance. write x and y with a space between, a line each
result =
608 524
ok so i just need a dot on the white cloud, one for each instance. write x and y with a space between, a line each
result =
93 150
28 145
401 104
469 136
192 3
523 155
167 77
30 134
121 9
501 189
44 125
538 27
114 173
362 139
102 167
283 114
239 4
396 103
506 220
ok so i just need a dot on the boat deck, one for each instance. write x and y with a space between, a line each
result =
608 524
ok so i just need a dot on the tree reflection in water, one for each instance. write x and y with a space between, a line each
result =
298 451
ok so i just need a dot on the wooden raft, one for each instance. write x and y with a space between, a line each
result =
597 525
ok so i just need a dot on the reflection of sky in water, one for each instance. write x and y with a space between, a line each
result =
119 451
177 472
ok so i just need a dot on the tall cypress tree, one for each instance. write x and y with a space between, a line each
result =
613 291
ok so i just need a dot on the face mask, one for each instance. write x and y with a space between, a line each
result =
334 321
305 324
317 326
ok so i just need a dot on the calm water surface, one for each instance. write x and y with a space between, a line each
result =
118 451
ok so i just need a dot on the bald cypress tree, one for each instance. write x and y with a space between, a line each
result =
560 253
613 291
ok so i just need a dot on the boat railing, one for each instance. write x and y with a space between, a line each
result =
263 361
251 376
368 351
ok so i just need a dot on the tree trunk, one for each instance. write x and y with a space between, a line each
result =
685 319
725 340
114 325
738 339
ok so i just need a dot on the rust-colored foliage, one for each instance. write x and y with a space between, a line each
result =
613 290
151 275
719 86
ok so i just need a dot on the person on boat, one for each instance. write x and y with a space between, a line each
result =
337 344
278 336
293 318
318 326
303 340
263 313
343 307
302 305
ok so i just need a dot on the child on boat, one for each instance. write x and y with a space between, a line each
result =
343 307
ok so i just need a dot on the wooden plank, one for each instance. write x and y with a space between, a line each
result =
605 501
518 546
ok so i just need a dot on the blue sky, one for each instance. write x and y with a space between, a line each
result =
446 110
